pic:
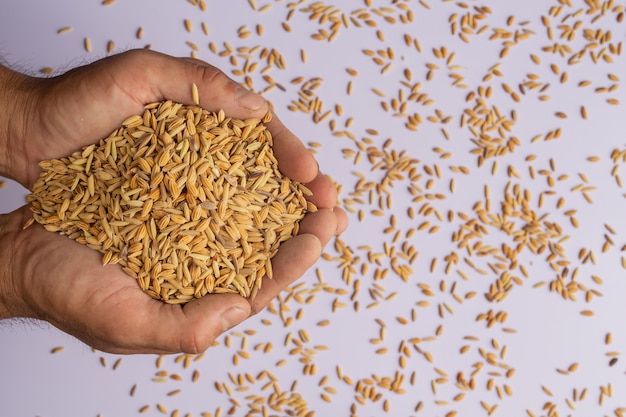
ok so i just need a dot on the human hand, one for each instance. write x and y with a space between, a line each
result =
53 278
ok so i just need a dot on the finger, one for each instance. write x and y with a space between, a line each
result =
139 77
324 191
294 160
154 76
342 219
322 224
216 90
207 318
294 257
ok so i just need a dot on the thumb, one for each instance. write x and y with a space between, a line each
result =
172 78
207 318
193 328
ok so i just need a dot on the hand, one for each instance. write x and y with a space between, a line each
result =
52 278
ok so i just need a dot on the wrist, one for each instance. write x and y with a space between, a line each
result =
15 90
11 304
5 274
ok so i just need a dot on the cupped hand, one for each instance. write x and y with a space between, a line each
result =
53 278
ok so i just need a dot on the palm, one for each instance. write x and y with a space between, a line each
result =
72 290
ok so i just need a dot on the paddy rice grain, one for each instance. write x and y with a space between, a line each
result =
187 201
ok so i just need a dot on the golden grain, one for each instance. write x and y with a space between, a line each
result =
194 94
188 25
223 259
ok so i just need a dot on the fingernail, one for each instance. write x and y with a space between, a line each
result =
232 317
248 99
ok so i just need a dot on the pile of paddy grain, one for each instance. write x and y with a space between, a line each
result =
187 201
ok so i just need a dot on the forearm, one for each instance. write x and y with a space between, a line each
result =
15 88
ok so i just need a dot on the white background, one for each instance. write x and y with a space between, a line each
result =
550 333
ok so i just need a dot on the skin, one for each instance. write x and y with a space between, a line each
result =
49 277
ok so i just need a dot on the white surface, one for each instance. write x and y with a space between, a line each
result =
551 333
